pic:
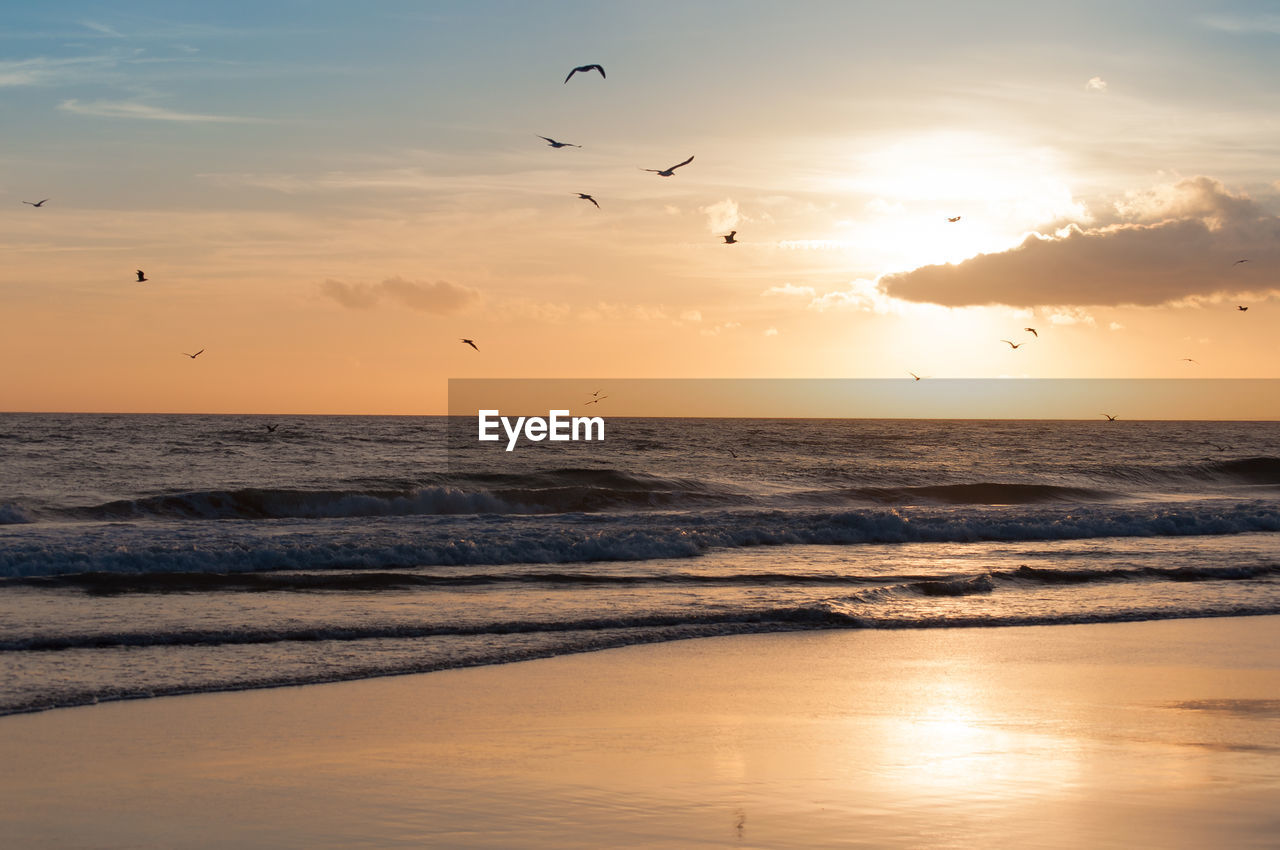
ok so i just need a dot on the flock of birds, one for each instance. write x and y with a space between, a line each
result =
729 239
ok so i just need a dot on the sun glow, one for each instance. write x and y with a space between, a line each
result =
912 188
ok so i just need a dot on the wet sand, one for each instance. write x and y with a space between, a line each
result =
1118 735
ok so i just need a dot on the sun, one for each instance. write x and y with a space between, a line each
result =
944 197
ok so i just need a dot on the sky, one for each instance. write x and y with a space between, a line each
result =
326 198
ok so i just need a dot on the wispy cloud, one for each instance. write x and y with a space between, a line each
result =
1096 84
103 29
789 289
438 297
1239 24
146 112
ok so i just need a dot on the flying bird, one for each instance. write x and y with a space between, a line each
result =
914 375
953 218
731 451
596 400
194 356
553 143
584 69
729 240
1238 262
1032 331
1014 345
1189 360
469 342
36 203
271 429
1110 418
1242 309
667 172
589 198
141 276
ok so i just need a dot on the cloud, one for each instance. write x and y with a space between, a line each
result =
722 215
691 316
1096 84
438 297
127 109
862 295
357 296
1115 326
1169 244
771 332
789 289
1070 316
102 28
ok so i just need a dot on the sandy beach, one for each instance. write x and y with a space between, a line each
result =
1144 734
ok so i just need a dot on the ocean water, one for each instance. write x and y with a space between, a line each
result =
150 555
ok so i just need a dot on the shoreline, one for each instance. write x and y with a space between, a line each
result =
943 626
1154 732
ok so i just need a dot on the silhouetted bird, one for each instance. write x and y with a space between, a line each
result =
194 356
1189 360
470 343
553 143
731 451
1238 262
36 203
584 69
141 276
1110 418
667 172
1243 309
1014 344
596 400
589 198
914 375
953 218
1032 331
729 240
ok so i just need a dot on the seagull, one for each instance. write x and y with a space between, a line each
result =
584 69
589 198
1110 418
194 356
1189 360
141 276
470 343
1238 262
596 393
667 172
729 240
1032 331
596 400
271 429
553 143
37 203
1014 345
731 451
953 218
1216 446
1242 309
914 375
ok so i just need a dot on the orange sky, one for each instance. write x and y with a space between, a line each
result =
326 209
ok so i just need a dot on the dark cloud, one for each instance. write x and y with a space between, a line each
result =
1172 243
438 297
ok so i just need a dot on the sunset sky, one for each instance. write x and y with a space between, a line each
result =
327 196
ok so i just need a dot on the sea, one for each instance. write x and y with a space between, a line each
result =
148 555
